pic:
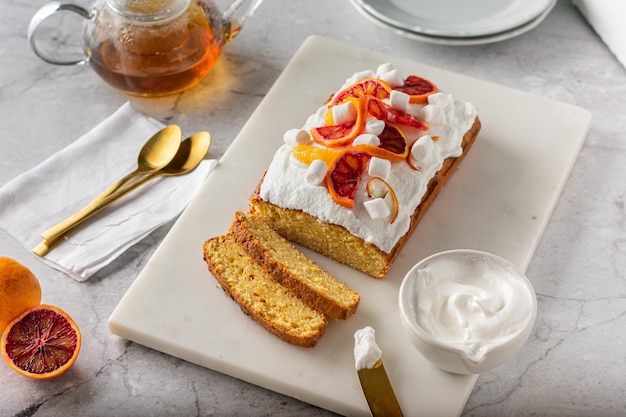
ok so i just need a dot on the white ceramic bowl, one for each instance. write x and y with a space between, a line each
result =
513 314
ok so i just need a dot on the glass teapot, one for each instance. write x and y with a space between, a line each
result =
149 47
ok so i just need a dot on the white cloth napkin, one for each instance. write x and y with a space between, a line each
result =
67 181
607 18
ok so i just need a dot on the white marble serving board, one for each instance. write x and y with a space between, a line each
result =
498 201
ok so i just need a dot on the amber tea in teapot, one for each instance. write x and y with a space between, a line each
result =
151 47
165 58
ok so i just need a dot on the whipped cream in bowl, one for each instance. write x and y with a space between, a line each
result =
467 311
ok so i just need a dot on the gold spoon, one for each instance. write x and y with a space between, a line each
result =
190 153
156 153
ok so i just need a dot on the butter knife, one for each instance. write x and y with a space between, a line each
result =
375 383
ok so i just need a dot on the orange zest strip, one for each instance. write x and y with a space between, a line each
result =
394 199
409 158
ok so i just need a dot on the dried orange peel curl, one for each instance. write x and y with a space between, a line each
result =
373 187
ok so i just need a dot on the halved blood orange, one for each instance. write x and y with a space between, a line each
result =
418 88
383 111
368 87
344 176
377 181
42 343
309 153
342 134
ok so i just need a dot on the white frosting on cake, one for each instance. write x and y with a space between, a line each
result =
285 183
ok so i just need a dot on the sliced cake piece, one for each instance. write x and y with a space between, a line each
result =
293 269
262 298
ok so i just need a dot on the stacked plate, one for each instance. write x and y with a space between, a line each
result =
456 22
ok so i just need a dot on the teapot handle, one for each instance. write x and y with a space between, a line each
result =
42 14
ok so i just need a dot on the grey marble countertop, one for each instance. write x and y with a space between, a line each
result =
573 364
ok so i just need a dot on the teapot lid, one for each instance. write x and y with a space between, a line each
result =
148 9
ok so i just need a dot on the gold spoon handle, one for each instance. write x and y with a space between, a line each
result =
68 223
95 207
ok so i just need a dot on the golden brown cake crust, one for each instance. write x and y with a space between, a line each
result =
372 254
323 300
308 338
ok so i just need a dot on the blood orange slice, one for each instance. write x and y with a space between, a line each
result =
393 145
335 135
341 134
383 111
418 88
42 343
368 87
377 181
344 176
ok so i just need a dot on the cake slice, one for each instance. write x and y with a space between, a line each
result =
293 269
262 298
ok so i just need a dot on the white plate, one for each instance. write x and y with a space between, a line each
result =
457 18
499 201
452 40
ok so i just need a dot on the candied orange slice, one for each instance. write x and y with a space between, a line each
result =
418 88
383 111
368 87
374 181
342 134
309 153
344 176
393 145
393 142
335 135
